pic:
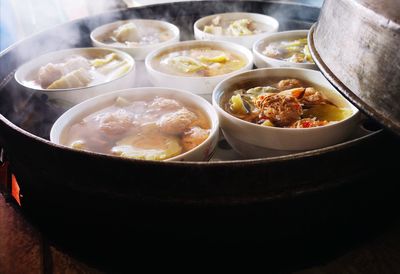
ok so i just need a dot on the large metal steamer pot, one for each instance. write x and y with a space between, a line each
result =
81 198
356 46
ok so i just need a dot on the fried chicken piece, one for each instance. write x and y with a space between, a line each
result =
312 97
281 110
289 84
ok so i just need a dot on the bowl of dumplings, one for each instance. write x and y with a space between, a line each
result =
138 37
243 28
73 75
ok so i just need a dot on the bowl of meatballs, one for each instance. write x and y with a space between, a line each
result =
152 123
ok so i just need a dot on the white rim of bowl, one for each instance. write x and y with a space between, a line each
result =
124 54
275 24
211 114
170 26
278 34
230 45
240 121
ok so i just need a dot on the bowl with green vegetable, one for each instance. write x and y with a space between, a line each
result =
70 76
243 28
197 66
283 49
271 111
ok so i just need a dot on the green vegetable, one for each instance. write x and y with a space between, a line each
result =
237 105
327 112
308 54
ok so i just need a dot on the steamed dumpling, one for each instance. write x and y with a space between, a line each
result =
75 79
127 33
50 73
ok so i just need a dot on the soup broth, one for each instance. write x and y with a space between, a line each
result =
138 33
237 27
203 61
295 51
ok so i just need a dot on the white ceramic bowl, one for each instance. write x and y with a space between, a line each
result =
202 152
263 61
28 71
138 52
246 40
196 84
252 140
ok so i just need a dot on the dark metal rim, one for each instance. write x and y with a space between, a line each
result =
343 89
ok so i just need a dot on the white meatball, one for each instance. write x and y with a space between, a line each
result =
194 137
176 122
116 122
165 104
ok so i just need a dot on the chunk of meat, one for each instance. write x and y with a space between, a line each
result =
289 84
216 20
176 122
194 137
281 110
312 97
115 123
272 51
165 104
75 63
308 122
295 92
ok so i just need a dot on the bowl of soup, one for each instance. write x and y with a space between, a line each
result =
138 37
73 75
238 27
273 111
284 49
197 66
150 123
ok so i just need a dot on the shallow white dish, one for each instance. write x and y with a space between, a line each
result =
138 52
196 84
263 61
202 152
252 140
271 24
71 96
